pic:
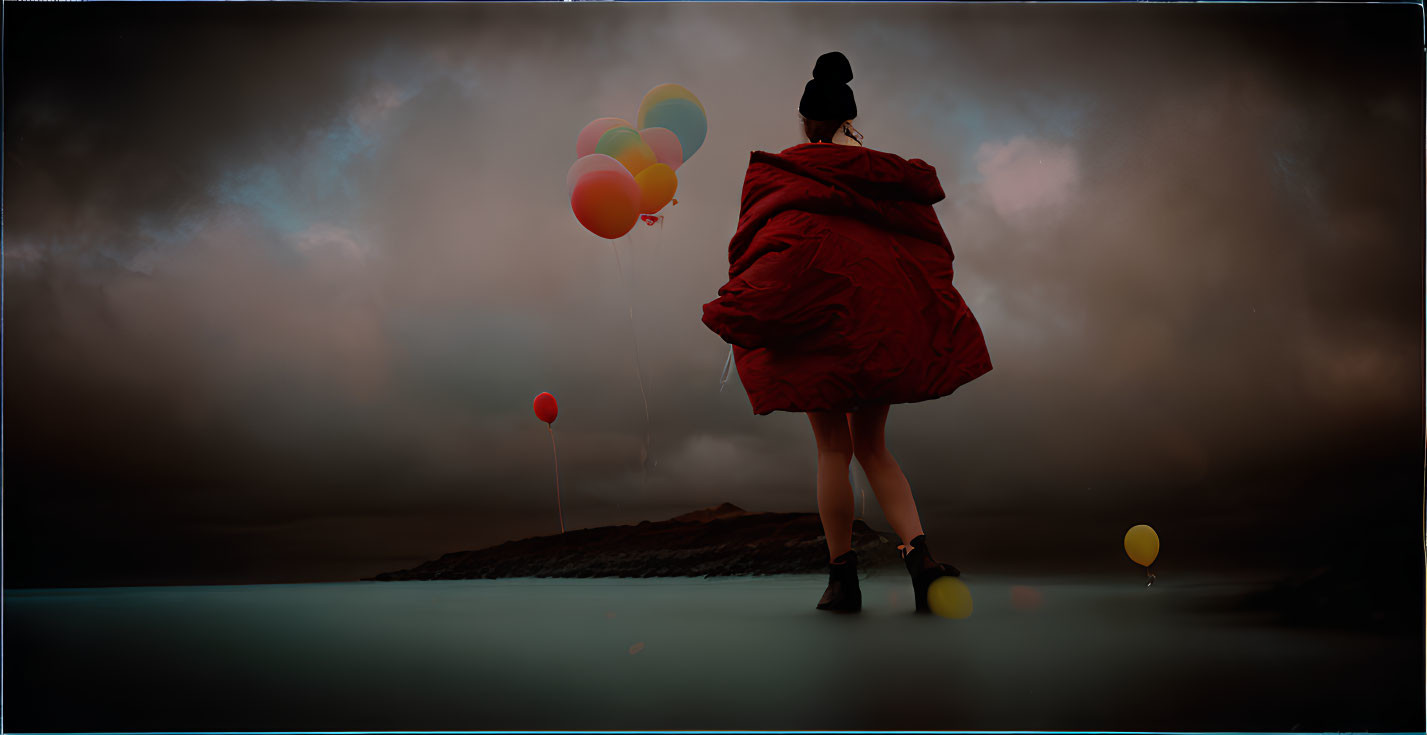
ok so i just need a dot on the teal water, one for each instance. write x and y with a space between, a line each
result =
686 653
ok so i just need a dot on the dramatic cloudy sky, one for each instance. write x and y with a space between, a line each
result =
280 281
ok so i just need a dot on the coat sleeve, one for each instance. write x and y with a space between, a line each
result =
783 297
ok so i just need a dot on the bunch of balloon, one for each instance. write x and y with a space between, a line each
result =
625 171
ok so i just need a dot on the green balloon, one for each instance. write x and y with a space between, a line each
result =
616 139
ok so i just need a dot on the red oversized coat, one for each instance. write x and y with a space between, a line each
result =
839 293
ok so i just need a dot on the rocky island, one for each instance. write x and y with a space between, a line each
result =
721 540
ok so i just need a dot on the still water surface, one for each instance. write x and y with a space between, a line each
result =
687 653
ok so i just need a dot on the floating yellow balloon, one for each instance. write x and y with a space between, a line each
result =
657 184
949 597
1142 544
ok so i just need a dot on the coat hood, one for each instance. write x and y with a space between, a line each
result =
872 173
880 188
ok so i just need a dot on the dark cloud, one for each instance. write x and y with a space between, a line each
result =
281 280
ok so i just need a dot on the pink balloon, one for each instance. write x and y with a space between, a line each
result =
590 135
665 143
592 162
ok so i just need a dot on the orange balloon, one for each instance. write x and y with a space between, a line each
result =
657 184
606 203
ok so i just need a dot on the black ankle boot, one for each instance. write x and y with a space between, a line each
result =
924 570
842 593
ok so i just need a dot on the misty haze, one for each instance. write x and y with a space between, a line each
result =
282 280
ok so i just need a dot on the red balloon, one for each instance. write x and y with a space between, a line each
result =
606 202
545 408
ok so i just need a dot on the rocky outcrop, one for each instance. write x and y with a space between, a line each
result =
717 541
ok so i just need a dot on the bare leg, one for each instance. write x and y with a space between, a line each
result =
835 503
890 486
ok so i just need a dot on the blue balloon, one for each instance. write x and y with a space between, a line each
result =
684 118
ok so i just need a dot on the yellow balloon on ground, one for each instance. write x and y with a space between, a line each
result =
666 92
1142 544
657 184
949 597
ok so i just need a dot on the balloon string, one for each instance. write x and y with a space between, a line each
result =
1149 574
638 371
723 379
629 299
556 454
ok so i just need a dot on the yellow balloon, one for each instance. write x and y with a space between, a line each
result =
636 158
949 597
1142 544
657 184
666 92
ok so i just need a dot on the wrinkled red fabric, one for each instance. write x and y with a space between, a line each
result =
839 293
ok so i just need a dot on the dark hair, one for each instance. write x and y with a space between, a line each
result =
823 130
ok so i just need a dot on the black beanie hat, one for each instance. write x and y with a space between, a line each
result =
827 96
